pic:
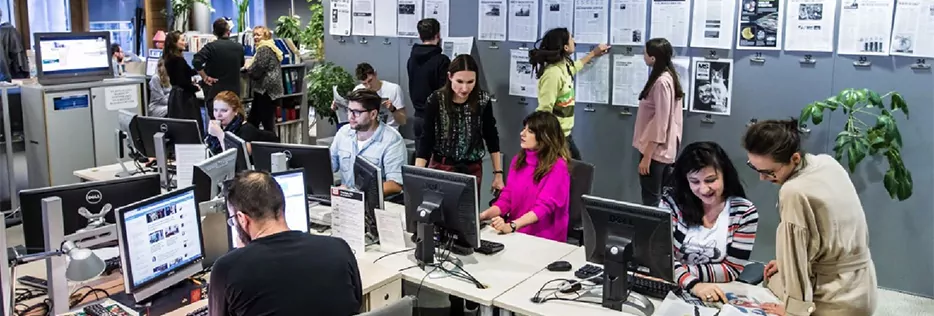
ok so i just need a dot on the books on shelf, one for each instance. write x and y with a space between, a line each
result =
292 80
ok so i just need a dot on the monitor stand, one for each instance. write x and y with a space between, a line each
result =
429 213
616 292
121 154
162 159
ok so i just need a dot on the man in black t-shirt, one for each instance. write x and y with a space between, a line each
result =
278 271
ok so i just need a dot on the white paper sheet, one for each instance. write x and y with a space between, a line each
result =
522 80
391 231
491 20
683 68
913 33
590 21
409 12
711 82
523 20
348 219
439 10
760 25
812 28
557 13
121 97
592 84
453 46
713 24
386 12
865 27
363 20
629 76
186 156
340 17
674 305
627 22
671 19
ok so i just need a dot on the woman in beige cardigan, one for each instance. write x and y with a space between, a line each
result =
822 263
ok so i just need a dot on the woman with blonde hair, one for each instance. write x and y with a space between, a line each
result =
229 117
266 78
159 89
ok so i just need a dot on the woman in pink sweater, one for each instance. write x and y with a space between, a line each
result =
535 201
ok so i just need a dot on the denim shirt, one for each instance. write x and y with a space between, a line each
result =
385 149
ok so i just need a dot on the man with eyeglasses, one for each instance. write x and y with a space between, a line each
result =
279 271
366 136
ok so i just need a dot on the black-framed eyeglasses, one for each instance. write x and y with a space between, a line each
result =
357 112
769 173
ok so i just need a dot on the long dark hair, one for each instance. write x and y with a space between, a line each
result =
460 63
171 44
551 143
695 157
550 50
661 49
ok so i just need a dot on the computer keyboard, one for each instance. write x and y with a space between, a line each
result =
201 311
642 285
323 199
489 247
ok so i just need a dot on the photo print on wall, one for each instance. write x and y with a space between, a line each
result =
711 80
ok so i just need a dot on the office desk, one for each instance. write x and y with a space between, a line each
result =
106 172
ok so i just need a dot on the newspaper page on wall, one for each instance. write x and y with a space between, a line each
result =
408 14
491 24
812 28
913 33
590 21
713 24
453 46
347 218
557 13
522 80
592 84
629 76
683 68
711 80
865 27
627 22
362 21
439 10
523 20
760 25
340 18
671 19
386 18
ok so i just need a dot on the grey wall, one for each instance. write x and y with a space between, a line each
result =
902 238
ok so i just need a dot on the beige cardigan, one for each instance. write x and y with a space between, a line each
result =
822 244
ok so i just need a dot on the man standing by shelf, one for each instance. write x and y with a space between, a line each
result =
219 64
427 68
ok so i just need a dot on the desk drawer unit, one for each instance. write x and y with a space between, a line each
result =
384 295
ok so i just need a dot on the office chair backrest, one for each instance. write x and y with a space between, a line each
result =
581 183
403 307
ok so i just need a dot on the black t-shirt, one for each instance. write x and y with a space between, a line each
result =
289 273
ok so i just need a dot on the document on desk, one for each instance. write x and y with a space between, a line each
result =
674 305
186 156
347 218
391 232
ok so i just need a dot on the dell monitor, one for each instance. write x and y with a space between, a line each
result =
172 132
211 173
368 179
626 237
85 205
243 154
315 160
72 57
446 200
295 210
160 242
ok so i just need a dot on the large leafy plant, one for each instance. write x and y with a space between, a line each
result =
243 6
860 139
313 34
320 82
288 26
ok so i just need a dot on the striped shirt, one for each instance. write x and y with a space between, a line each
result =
556 92
743 221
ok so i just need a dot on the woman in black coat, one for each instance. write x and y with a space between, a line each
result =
182 101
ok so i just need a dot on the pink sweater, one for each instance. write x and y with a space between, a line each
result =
548 199
659 120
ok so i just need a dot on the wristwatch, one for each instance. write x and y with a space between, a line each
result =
392 108
498 171
512 225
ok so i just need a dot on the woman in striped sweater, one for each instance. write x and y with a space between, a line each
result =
713 224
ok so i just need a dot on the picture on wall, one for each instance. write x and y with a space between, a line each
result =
760 25
711 80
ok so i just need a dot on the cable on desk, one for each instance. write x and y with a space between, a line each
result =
46 305
393 253
74 300
553 296
24 294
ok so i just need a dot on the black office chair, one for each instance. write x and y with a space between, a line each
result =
581 183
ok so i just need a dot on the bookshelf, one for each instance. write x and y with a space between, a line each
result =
292 106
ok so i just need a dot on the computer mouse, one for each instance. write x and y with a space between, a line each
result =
559 266
573 288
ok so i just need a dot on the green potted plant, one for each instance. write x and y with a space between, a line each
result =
313 34
319 86
181 10
860 139
288 26
243 6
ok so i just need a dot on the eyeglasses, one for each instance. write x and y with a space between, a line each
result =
357 112
769 173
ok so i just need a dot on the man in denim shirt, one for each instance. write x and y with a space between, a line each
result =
365 136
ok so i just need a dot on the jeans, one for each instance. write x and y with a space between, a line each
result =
575 153
653 182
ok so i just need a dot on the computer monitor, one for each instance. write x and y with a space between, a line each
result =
368 179
72 57
292 183
446 200
211 173
315 160
160 242
177 131
626 237
243 153
90 198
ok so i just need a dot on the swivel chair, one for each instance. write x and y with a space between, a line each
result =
581 183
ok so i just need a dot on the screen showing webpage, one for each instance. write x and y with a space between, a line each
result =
75 54
296 204
161 237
